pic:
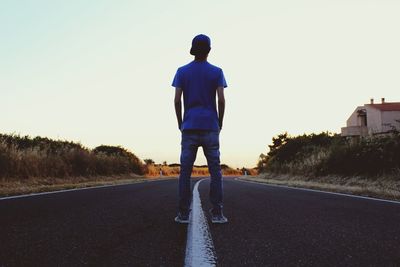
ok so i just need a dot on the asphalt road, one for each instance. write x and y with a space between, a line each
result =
275 226
132 225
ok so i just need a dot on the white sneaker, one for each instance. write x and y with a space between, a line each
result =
182 218
220 218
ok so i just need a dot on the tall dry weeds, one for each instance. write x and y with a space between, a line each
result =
25 157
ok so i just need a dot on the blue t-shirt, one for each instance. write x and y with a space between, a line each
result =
199 81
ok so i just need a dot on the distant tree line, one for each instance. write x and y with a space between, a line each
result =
173 169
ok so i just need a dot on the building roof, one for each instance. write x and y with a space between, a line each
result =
390 106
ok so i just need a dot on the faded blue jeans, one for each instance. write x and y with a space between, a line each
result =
191 141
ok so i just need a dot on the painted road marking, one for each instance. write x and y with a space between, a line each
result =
320 191
199 246
78 189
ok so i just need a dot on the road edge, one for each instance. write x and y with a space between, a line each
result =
80 187
266 183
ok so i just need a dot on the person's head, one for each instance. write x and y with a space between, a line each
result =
201 46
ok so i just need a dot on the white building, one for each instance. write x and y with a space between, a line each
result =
373 119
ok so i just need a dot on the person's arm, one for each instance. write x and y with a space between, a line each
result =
221 105
178 106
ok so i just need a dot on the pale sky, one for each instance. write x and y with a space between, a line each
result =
100 72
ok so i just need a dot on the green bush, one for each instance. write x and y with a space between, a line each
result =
326 153
366 156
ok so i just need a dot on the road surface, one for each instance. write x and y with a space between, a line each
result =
132 225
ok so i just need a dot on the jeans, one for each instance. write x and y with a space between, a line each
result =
191 140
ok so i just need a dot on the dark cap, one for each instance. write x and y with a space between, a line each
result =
201 45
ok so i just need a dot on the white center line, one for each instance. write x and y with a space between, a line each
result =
199 246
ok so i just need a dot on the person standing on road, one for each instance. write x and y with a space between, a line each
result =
200 83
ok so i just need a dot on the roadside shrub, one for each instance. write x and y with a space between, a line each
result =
23 157
325 153
366 156
128 160
299 154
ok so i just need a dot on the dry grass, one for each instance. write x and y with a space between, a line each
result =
27 186
29 165
154 171
10 187
382 187
23 158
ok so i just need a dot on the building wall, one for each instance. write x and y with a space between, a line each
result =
377 122
353 120
390 117
374 120
354 131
